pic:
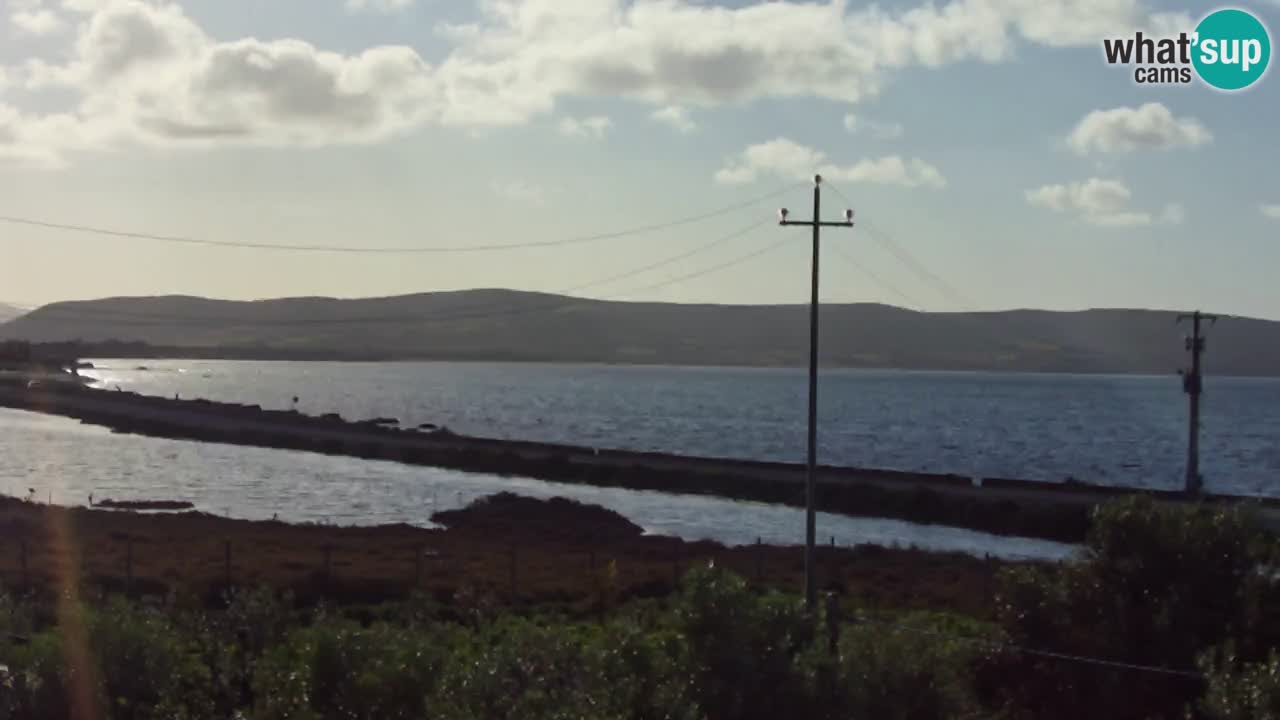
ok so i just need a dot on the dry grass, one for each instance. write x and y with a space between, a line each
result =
88 551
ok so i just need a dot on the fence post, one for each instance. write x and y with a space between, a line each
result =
986 575
759 559
128 566
833 623
328 566
511 572
675 569
417 566
227 563
26 576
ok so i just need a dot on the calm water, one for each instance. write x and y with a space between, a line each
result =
64 461
1121 430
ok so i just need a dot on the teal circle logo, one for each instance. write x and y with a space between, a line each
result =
1232 49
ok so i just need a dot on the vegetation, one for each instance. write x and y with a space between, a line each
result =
507 325
1189 590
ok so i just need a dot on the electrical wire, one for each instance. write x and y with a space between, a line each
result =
149 319
906 258
998 645
663 263
875 278
706 271
185 240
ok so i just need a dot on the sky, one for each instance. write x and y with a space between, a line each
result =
993 159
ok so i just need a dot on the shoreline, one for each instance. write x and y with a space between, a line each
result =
234 355
114 350
1057 512
535 552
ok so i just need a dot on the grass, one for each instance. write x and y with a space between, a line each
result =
89 550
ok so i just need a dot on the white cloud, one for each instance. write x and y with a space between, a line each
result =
1125 129
593 127
1102 202
878 130
1271 211
520 191
148 74
790 160
676 118
382 6
144 72
42 21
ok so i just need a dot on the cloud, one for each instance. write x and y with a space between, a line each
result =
593 127
381 6
520 191
150 75
1103 202
1271 211
42 21
880 131
142 72
676 118
1126 129
789 160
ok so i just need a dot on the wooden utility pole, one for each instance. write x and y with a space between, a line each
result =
1193 385
810 568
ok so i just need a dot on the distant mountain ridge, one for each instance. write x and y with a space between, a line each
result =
522 326
9 312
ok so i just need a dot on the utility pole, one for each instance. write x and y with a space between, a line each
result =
810 484
1193 385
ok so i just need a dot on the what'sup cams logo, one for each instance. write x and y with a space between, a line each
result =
1229 50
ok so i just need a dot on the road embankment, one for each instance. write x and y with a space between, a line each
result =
1002 506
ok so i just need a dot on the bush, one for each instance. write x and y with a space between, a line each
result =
33 679
891 674
338 669
1249 692
232 642
1157 585
742 651
520 669
124 662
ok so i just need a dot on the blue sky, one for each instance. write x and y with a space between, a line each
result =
986 137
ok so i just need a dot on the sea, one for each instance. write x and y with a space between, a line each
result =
1106 429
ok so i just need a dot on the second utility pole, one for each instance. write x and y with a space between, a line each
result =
1193 384
811 468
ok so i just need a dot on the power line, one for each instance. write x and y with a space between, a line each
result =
186 240
705 271
663 263
998 645
875 278
905 257
157 319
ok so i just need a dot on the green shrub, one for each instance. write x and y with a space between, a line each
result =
33 679
520 669
1157 585
126 662
742 651
893 674
338 669
1242 692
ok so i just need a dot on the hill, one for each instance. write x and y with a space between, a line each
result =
9 312
521 326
